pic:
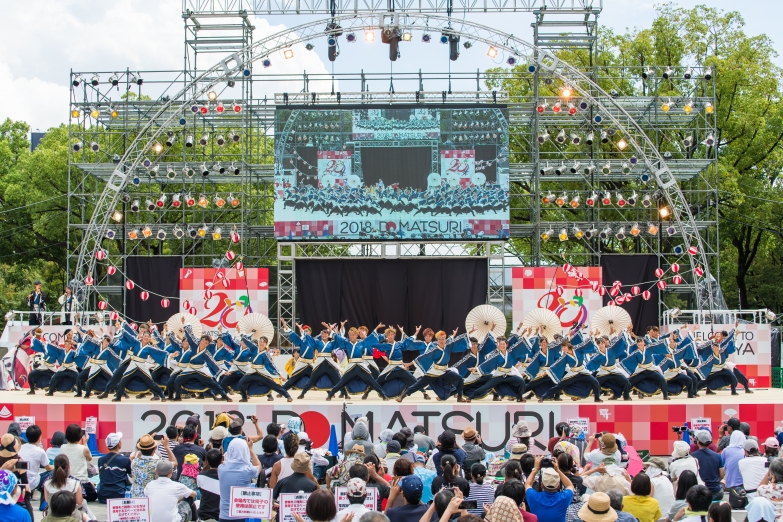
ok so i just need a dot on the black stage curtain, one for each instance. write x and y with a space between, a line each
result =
407 166
308 157
634 270
436 294
488 153
159 275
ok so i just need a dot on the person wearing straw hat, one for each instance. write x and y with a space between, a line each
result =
598 508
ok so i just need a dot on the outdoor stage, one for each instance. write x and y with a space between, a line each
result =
646 423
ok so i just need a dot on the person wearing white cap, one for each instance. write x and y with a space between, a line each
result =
682 461
753 467
114 470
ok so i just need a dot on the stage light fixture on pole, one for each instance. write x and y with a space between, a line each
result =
189 141
606 200
153 171
75 113
77 146
688 107
178 232
113 112
175 201
467 44
171 173
309 46
236 107
577 232
652 229
369 36
135 205
133 234
687 142
590 202
688 73
426 37
575 201
632 198
589 169
626 168
648 73
188 171
492 52
547 234
234 201
664 212
219 201
266 62
542 107
220 108
288 54
560 169
110 234
622 144
576 139
161 234
709 140
563 235
150 205
667 105
671 230
220 140
204 140
575 167
708 74
635 230
171 139
606 233
542 138
709 108
546 170
117 216
157 148
135 79
590 138
407 36
94 112
192 232
146 231
604 137
548 198
646 201
560 201
620 234
202 230
561 136
77 80
216 234
606 169
557 107
668 73
591 233
95 80
189 200
204 170
212 96
161 201
203 201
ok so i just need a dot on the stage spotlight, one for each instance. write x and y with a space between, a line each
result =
648 73
203 140
204 170
604 137
220 140
161 202
542 107
561 169
332 40
202 230
589 169
161 234
546 170
606 200
557 107
548 198
146 231
591 233
444 39
687 142
561 136
75 113
171 139
492 52
667 105
708 74
605 233
620 200
95 80
652 229
188 171
369 36
708 108
577 232
645 177
266 62
620 234
626 168
671 230
663 212
135 205
575 167
426 37
590 138
632 198
135 79
219 168
219 201
531 68
575 139
193 232
157 148
288 54
231 83
622 144
547 234
233 136
146 163
153 171
77 146
178 232
646 201
606 169
309 46
511 60
590 202
150 205
560 201
125 197
170 172
567 91
668 73
709 140
220 108
234 201
575 202
563 235
77 80
95 112
195 108
236 107
175 201
453 47
189 200
110 234
212 96
542 138
467 44
688 107
572 109
635 230
203 201
216 234
235 169
688 73
117 216
133 234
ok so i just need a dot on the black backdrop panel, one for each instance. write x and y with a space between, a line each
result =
488 153
634 270
308 157
436 294
159 275
406 166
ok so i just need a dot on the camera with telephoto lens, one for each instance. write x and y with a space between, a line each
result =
679 429
547 462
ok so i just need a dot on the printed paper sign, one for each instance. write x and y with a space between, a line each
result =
341 498
24 422
128 510
291 503
250 503
91 425
582 423
701 423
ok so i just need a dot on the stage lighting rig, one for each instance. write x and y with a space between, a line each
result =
333 51
392 37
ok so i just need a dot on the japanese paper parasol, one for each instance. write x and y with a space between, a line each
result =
610 318
433 180
546 321
483 317
177 322
256 326
478 178
354 181
453 179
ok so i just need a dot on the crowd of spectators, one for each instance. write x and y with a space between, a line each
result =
405 476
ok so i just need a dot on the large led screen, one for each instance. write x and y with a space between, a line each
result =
361 173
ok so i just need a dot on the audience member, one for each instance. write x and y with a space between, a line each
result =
598 508
422 441
681 461
298 480
699 499
61 481
368 472
760 509
240 468
79 456
208 483
10 511
479 491
383 439
190 456
447 446
167 498
771 486
662 488
688 479
710 464
616 501
515 490
549 504
55 443
144 463
410 488
731 458
356 493
753 467
36 458
114 470
472 447
771 448
719 512
504 509
62 506
450 477
641 504
520 434
607 449
567 465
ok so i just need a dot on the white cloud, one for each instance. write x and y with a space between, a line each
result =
40 103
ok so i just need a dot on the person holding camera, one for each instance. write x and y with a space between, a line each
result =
557 491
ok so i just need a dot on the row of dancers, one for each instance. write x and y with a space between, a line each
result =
145 360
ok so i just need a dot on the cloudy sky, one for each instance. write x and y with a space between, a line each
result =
44 40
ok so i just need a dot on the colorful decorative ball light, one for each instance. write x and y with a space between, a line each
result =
677 279
111 269
699 271
230 255
100 254
646 295
102 305
675 267
129 284
144 295
636 290
659 273
165 303
693 250
89 280
662 285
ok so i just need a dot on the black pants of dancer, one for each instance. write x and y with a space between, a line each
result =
448 376
320 371
143 377
356 372
59 376
512 380
35 374
726 374
404 375
686 382
88 384
295 379
81 380
588 379
246 381
619 381
741 379
116 377
231 380
208 383
653 376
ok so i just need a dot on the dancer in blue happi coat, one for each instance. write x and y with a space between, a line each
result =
570 374
545 355
358 378
396 377
605 367
646 378
434 364
500 368
300 376
53 355
262 378
326 371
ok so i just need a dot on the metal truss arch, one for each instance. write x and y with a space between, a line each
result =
237 65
